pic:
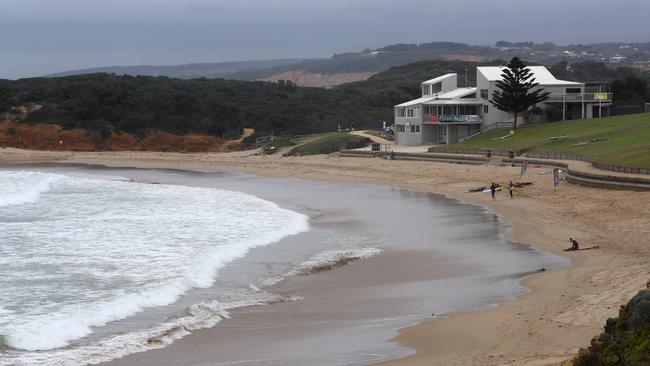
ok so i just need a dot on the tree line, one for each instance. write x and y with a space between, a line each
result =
110 103
212 106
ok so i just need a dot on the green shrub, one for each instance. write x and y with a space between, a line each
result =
626 340
330 143
277 144
232 134
249 141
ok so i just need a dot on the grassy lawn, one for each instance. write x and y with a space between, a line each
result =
328 143
621 140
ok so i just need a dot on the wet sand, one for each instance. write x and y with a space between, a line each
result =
566 307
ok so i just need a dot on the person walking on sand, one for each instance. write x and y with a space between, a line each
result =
493 190
510 189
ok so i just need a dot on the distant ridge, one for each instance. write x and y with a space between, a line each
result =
357 66
186 71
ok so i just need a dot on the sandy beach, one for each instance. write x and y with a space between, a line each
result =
545 327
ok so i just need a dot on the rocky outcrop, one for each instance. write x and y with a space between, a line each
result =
626 340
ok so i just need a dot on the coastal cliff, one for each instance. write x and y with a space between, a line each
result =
626 340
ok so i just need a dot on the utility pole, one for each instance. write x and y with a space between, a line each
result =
600 101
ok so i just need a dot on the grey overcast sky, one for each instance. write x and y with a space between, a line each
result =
44 36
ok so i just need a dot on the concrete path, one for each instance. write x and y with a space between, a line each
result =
578 172
374 138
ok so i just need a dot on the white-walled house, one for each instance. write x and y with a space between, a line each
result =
446 113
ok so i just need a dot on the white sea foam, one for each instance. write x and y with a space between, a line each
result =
325 260
329 258
24 187
202 315
95 251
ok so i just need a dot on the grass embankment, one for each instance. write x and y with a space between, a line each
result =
278 143
328 143
620 140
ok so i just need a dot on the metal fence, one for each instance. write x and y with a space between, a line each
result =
587 158
559 156
581 97
469 151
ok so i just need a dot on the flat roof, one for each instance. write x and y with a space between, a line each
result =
456 93
454 102
540 73
450 97
415 102
439 79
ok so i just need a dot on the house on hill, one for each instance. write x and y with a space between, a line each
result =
446 113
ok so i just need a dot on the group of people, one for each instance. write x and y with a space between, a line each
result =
494 186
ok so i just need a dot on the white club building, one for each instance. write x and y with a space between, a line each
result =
446 113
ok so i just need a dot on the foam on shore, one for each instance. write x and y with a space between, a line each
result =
95 251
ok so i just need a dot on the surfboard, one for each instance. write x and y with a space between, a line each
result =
488 190
589 248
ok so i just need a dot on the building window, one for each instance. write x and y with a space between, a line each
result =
401 112
573 90
447 110
485 108
415 128
400 128
467 110
484 94
426 89
436 88
410 112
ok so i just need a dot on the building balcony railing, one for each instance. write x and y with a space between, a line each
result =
581 97
452 118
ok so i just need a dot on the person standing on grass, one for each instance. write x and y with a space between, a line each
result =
510 189
493 190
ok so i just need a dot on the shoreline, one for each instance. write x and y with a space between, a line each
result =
564 309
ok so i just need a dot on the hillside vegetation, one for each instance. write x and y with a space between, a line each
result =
108 104
621 140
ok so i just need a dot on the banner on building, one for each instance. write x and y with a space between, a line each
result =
433 118
601 96
457 118
524 168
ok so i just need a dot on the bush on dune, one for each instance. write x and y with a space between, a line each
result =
329 143
626 340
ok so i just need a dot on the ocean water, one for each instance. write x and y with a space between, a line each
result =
78 252
101 264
